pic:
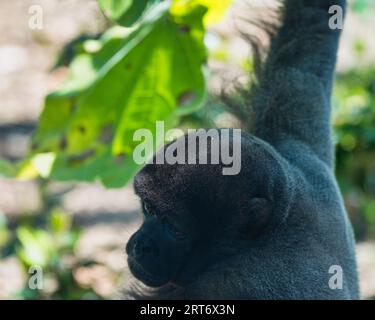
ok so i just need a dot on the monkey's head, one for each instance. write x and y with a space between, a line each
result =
194 216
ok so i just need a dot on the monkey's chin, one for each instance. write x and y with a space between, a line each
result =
147 278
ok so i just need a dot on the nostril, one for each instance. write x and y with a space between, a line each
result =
141 250
146 250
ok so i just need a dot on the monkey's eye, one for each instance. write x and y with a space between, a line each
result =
174 230
147 210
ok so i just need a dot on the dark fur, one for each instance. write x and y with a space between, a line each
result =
288 162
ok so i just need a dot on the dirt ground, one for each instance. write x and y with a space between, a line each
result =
107 217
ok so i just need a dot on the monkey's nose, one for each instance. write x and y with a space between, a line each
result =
146 250
142 249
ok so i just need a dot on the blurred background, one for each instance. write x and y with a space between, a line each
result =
77 231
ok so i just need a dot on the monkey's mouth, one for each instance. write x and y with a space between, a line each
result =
146 277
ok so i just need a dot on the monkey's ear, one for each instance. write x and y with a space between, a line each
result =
256 215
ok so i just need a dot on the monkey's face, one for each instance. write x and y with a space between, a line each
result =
175 225
158 250
189 210
177 240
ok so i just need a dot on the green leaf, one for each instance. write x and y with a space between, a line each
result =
369 209
7 169
4 232
114 172
36 246
126 12
59 221
170 78
133 79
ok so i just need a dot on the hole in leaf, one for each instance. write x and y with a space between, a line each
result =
186 98
63 143
119 158
81 129
184 28
79 158
34 146
106 134
74 108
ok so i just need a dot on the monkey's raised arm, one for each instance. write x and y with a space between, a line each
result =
291 101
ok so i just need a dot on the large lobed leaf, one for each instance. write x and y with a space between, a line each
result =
133 79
